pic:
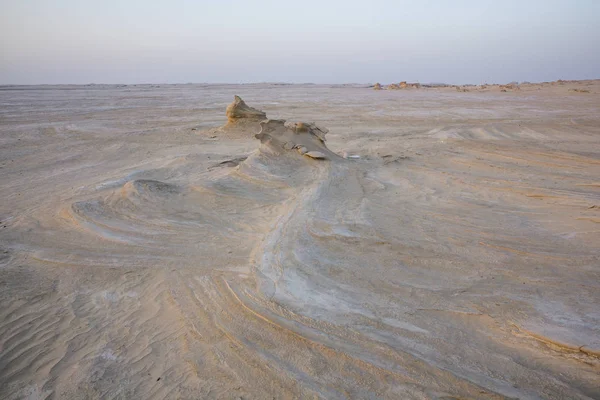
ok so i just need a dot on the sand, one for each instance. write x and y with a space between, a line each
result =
446 245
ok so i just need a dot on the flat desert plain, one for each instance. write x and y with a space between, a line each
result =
440 244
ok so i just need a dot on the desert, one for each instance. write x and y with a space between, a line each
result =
287 241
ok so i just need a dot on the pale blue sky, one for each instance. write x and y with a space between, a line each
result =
320 41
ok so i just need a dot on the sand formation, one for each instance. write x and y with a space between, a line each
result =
457 259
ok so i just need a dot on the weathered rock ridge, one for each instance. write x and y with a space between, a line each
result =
277 135
306 138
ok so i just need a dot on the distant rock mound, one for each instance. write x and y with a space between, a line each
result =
510 86
377 86
308 139
402 85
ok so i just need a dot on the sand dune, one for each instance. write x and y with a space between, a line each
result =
428 243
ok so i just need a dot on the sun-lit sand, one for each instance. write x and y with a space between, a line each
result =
416 243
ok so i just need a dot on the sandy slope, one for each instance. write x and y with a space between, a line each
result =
146 255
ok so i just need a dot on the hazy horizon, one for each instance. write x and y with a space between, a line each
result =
466 42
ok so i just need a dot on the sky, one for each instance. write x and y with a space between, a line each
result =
318 41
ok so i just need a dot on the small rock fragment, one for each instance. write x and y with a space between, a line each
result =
316 155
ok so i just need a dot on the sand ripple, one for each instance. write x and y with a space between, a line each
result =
457 261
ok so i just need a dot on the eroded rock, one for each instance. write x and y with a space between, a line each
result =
241 118
239 110
403 85
316 154
306 137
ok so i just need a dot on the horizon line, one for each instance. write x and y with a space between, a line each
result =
282 83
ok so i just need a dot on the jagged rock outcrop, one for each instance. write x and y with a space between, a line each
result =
240 115
377 86
276 135
307 139
241 120
239 111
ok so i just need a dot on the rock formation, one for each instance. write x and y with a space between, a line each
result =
510 86
307 139
241 119
402 85
276 135
239 114
377 86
